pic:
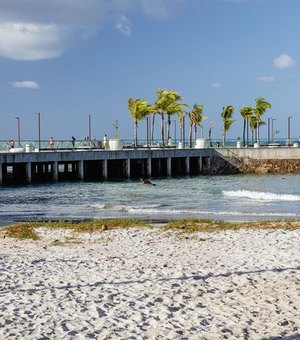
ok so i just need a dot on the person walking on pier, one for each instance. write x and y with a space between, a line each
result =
10 144
51 143
73 141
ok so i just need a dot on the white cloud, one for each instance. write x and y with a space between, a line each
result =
284 61
35 29
28 84
266 79
30 41
124 25
163 9
216 84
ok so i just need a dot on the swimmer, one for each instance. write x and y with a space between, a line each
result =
146 181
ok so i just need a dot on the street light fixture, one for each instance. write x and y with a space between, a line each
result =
19 133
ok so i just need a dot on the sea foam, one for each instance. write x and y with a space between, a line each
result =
263 196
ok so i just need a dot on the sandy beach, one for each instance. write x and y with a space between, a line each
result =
151 284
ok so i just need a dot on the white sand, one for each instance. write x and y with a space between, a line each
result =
149 284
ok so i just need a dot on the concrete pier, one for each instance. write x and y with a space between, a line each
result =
101 165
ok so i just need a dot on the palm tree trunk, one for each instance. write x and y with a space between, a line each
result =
195 134
169 126
224 136
135 133
244 129
190 137
247 131
152 129
162 129
181 131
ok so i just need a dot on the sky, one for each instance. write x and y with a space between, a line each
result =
75 59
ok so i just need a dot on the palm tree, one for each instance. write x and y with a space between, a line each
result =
154 112
254 126
174 108
227 120
164 99
261 106
196 118
246 112
138 109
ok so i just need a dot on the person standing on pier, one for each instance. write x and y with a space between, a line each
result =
105 142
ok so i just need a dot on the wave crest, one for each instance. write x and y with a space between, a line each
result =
263 196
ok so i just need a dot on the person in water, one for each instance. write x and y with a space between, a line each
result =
146 181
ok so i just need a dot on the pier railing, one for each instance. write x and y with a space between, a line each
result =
68 145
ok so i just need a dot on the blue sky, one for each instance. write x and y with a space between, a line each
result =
68 59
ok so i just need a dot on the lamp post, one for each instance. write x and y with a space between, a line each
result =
183 130
269 130
19 133
289 130
175 133
272 128
211 125
90 127
148 131
39 128
116 126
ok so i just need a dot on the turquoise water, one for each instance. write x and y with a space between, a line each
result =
231 198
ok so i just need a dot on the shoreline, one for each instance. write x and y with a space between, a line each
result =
151 283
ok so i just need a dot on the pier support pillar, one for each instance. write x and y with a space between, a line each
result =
28 172
1 174
187 165
81 170
128 167
55 171
169 166
149 167
200 165
105 174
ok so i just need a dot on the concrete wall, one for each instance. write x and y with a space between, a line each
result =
262 153
261 160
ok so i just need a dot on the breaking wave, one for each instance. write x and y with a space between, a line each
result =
263 196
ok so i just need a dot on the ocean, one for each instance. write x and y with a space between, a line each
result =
228 198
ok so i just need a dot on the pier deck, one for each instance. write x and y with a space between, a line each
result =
99 164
